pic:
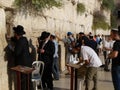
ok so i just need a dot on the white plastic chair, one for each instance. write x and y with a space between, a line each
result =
37 74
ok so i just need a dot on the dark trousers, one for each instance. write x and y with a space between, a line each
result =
105 54
55 69
116 77
107 61
47 80
24 82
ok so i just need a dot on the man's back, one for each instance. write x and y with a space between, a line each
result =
89 54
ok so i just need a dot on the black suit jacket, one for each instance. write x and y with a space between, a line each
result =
47 56
22 54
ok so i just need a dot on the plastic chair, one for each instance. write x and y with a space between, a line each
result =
37 74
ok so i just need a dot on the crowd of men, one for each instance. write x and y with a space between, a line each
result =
85 49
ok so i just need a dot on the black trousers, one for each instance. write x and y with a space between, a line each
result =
24 82
47 80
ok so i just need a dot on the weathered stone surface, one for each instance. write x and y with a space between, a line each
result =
117 1
2 31
6 3
3 63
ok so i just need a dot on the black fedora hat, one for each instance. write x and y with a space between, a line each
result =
44 35
19 30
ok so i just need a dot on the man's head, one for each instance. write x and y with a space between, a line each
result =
52 37
19 30
44 35
81 34
69 33
115 33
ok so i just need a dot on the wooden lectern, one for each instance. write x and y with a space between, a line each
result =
22 69
73 67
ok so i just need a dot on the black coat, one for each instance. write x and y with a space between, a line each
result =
47 56
22 54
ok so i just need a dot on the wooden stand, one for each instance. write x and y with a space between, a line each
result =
74 67
22 69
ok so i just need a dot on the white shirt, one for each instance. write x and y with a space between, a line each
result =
111 43
89 54
56 48
108 44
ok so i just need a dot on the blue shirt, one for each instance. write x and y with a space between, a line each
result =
56 48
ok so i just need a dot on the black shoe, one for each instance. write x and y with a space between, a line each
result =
107 70
56 78
49 89
102 66
39 87
45 89
67 73
94 89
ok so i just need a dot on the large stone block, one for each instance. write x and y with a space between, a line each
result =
6 3
2 31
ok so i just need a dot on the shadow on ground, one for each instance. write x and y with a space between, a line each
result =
56 88
108 81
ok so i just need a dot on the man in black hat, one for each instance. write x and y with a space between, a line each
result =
46 51
22 54
21 51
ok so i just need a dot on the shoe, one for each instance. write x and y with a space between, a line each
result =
50 88
102 66
67 73
45 89
107 70
39 87
94 89
56 78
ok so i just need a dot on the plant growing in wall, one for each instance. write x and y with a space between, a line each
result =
115 16
108 4
73 2
116 11
113 21
99 0
80 8
99 21
38 5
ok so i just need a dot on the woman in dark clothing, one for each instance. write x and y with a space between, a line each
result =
46 51
21 51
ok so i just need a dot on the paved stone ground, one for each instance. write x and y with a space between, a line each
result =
105 82
104 78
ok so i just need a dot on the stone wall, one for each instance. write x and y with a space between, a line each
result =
6 3
117 1
60 20
3 63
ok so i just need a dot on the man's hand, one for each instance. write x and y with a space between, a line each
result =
42 50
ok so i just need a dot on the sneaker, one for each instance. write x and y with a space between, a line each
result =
107 70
